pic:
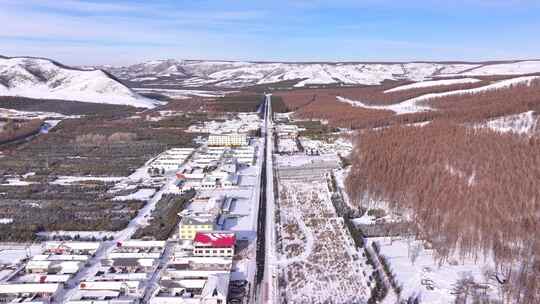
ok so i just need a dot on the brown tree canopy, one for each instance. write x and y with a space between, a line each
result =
471 191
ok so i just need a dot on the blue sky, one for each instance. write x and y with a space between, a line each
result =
124 32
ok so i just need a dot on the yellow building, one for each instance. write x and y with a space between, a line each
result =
190 225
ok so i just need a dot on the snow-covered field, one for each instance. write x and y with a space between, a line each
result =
316 255
420 273
338 145
287 145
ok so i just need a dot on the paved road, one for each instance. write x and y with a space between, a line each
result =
270 288
260 218
266 286
153 283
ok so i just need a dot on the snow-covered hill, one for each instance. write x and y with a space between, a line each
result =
514 68
226 74
46 79
413 105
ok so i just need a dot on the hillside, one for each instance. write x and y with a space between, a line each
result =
46 79
227 74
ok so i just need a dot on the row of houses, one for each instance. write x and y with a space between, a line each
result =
123 275
199 268
39 278
223 174
171 159
198 271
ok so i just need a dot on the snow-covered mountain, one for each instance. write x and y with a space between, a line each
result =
46 79
226 74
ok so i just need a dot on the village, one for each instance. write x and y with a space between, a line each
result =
208 258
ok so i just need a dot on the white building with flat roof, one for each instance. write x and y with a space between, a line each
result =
228 140
28 292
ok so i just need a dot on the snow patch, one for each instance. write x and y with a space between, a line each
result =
68 180
141 194
523 123
433 83
408 106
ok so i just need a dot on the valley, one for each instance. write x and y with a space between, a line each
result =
193 181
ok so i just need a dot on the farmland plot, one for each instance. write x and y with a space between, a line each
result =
317 258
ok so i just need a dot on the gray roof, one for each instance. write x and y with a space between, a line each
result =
198 220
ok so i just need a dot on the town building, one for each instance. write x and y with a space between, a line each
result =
191 224
216 289
228 140
69 247
171 159
214 244
28 292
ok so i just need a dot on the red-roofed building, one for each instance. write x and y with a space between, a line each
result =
214 244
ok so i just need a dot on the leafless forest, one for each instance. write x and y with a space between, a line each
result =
465 108
471 191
